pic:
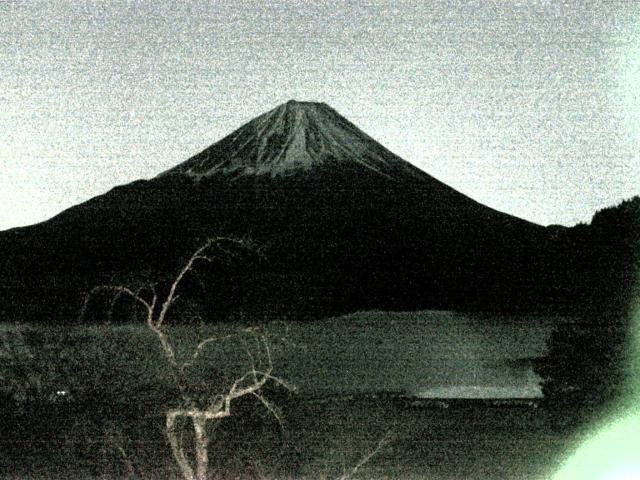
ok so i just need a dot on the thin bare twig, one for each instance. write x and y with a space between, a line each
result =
271 408
365 459
119 290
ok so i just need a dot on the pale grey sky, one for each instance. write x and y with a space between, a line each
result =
531 107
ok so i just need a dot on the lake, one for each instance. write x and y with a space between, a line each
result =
428 354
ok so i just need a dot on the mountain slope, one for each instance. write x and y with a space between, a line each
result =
345 225
296 136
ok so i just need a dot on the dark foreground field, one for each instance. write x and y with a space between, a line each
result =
88 401
321 438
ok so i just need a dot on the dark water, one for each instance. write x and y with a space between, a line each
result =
431 354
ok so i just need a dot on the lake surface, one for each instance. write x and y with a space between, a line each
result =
428 354
431 354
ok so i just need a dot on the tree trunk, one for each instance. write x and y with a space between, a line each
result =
176 448
202 445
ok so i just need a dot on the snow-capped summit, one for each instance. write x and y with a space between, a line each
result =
294 137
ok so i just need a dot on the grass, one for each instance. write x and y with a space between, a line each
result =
320 440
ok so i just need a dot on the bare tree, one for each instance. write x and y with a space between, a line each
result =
156 307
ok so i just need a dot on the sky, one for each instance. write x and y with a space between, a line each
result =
530 107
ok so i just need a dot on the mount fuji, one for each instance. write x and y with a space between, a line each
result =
344 225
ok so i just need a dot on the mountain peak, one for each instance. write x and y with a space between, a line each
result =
291 138
303 104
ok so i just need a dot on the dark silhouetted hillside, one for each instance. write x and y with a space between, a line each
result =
588 363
